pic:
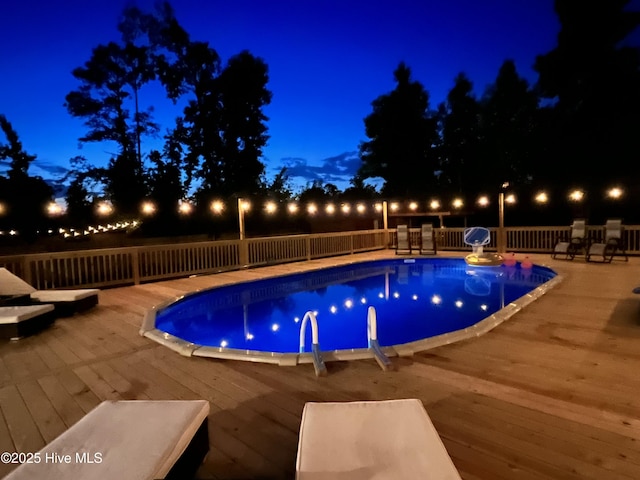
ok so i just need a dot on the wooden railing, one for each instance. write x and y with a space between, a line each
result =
524 239
133 265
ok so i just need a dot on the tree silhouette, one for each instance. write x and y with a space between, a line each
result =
243 94
593 78
509 129
24 198
462 167
401 132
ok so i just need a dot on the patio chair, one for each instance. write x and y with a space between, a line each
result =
570 247
403 240
66 302
128 439
611 244
427 239
389 439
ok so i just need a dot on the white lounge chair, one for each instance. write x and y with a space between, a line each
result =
403 239
570 247
391 439
612 243
427 239
66 302
133 440
19 321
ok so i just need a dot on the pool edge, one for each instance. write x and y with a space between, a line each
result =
485 325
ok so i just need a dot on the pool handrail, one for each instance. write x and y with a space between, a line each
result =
318 364
374 346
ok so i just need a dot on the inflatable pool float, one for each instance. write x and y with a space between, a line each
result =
477 238
484 259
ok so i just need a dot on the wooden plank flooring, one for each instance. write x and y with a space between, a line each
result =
553 393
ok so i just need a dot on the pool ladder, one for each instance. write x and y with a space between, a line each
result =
318 363
372 337
374 346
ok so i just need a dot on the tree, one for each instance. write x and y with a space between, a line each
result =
165 177
243 93
111 81
25 198
359 190
280 186
509 130
462 167
402 133
80 198
593 80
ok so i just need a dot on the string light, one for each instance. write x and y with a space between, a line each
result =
542 197
270 207
185 208
217 207
483 201
576 195
615 192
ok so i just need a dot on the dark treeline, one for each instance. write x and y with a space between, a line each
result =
575 127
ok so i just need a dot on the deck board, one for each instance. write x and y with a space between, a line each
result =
551 393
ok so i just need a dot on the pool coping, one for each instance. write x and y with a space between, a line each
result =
190 349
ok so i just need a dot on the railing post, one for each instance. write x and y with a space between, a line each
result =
501 240
26 270
385 223
308 247
244 252
135 266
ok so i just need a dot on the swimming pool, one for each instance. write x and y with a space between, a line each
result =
419 303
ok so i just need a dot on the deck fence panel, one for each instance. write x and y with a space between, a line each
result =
128 265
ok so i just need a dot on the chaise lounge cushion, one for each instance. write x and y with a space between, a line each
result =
391 439
66 301
133 440
19 321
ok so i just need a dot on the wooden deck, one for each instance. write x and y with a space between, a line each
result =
554 393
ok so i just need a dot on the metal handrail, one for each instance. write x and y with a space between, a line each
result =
374 346
318 364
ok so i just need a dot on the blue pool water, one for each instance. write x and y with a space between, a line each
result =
414 299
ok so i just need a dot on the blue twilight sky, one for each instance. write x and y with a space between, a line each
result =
328 60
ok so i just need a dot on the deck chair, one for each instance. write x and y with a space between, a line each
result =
66 302
128 439
427 239
403 240
392 439
574 244
22 320
611 244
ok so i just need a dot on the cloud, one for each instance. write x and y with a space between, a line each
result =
338 170
48 169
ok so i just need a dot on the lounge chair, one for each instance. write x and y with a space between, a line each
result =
570 247
66 302
133 440
392 439
403 240
427 239
19 321
611 244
